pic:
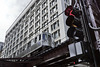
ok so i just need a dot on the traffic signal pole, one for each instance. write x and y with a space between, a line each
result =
85 20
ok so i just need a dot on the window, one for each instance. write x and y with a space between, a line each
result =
31 23
22 32
25 33
44 4
40 37
27 12
45 17
14 38
17 41
37 1
56 34
32 17
37 23
32 6
45 24
10 52
57 42
18 29
68 2
16 24
21 37
31 28
26 22
54 16
46 30
54 9
21 49
65 0
37 17
35 39
37 11
30 35
52 2
29 45
17 35
13 44
37 30
22 26
26 27
44 10
16 46
21 43
10 46
25 40
55 25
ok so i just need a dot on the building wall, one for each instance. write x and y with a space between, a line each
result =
39 14
1 48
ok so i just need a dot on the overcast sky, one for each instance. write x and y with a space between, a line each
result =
9 11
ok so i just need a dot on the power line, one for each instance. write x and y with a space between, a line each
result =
50 21
47 22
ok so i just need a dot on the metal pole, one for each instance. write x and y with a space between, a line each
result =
85 20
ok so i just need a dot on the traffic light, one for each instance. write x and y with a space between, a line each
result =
70 20
68 10
73 21
72 11
73 15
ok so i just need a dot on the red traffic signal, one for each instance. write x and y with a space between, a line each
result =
72 11
69 10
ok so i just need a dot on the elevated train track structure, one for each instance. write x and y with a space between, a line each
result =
54 57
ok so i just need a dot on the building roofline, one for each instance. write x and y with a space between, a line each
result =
20 15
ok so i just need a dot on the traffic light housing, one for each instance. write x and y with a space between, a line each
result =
70 20
68 10
73 21
72 11
73 15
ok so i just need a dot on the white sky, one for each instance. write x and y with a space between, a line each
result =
9 11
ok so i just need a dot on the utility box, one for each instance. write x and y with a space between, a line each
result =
75 49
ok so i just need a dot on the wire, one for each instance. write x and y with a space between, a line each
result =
49 22
42 26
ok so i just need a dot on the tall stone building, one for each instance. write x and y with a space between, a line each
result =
39 16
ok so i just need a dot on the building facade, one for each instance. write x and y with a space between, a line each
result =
39 16
1 48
